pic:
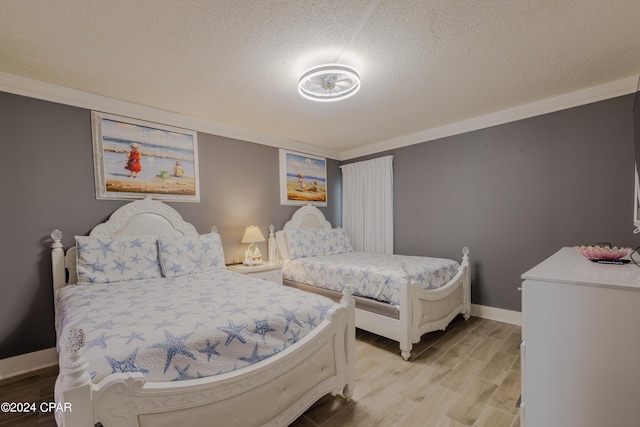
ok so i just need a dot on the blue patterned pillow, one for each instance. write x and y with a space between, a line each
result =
337 242
180 255
308 242
115 259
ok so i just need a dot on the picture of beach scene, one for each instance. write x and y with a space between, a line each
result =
303 179
135 159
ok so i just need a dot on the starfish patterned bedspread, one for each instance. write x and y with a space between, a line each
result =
377 276
191 326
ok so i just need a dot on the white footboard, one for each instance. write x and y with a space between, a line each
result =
273 392
425 311
422 311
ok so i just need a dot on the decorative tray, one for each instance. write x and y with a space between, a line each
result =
605 254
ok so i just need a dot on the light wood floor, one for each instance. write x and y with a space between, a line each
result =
468 375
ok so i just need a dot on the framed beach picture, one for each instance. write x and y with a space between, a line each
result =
303 179
134 159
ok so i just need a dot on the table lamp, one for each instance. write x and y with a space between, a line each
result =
252 235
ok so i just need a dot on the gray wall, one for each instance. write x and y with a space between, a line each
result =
47 182
513 193
518 192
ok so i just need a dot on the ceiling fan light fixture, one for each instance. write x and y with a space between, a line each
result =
329 82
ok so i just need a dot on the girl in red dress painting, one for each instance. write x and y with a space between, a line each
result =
133 161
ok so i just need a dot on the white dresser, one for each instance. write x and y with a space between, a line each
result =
580 343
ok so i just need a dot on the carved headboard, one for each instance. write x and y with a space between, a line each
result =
140 217
308 216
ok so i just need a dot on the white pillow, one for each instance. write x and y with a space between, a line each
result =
307 242
180 255
337 242
115 259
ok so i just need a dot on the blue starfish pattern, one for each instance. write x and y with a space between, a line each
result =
136 243
96 267
165 323
81 247
174 346
100 341
322 309
233 331
191 247
176 268
254 358
179 314
210 350
311 321
133 336
121 266
261 308
289 316
153 262
182 373
262 328
126 365
105 247
238 310
295 337
85 319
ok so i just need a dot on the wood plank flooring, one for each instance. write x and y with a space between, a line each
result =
468 375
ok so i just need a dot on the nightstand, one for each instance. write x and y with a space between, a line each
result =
269 271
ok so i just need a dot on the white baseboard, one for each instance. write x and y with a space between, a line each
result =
29 362
499 314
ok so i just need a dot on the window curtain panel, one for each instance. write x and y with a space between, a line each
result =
367 204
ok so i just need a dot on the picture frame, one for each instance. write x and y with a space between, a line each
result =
134 159
303 179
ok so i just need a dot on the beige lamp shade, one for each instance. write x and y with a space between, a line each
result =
252 234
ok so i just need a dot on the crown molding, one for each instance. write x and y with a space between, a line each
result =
19 85
585 96
63 95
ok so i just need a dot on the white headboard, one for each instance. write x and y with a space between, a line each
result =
140 217
308 216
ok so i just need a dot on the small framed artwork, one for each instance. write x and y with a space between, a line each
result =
303 179
134 159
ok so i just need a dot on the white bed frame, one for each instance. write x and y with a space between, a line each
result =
420 311
273 392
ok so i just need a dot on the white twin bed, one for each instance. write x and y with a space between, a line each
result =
398 297
154 331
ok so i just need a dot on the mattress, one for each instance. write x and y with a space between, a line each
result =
377 276
186 327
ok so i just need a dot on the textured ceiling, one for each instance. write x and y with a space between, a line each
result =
423 63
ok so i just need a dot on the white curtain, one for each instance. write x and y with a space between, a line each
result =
367 204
